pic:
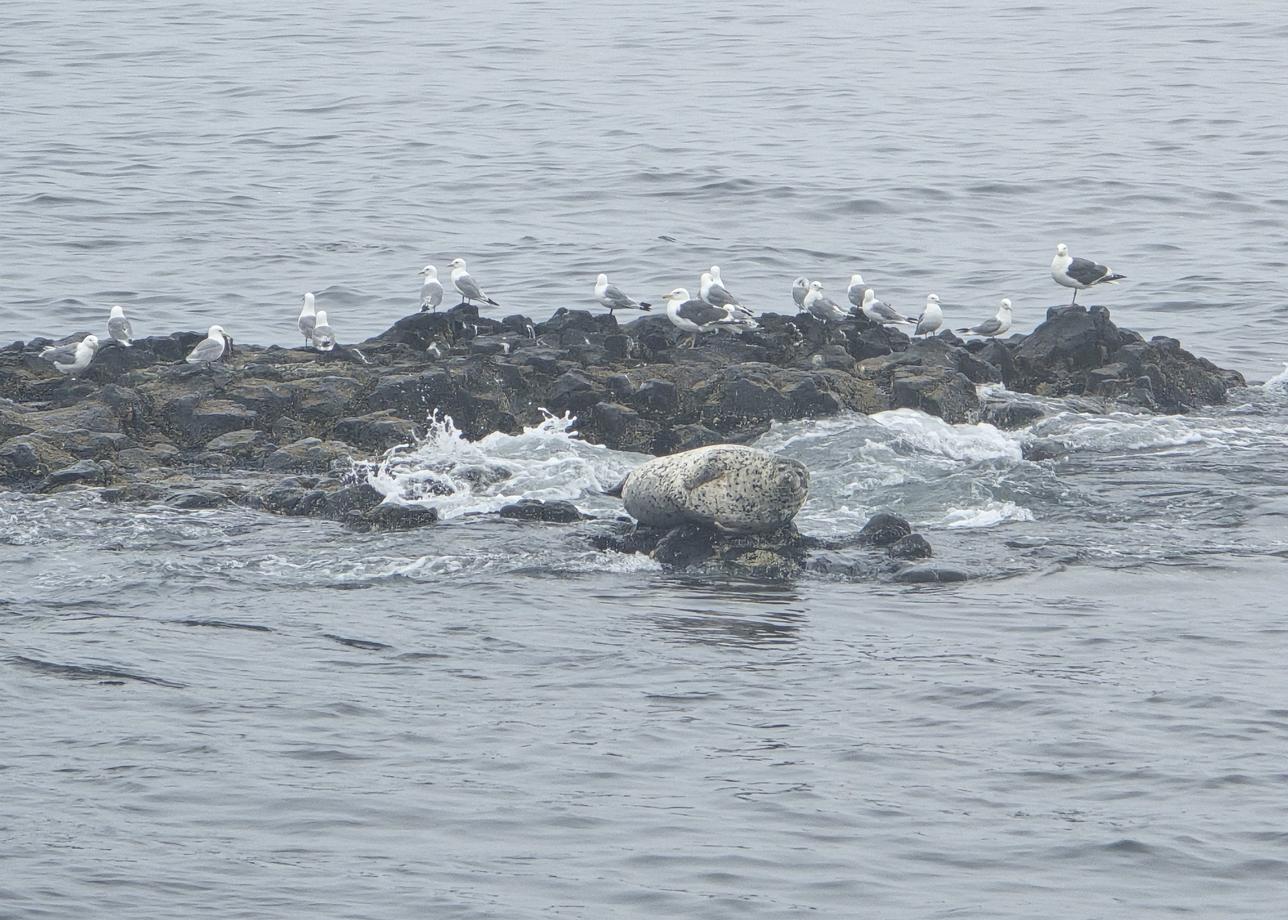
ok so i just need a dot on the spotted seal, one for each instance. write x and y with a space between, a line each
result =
725 486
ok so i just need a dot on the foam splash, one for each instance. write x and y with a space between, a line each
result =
990 514
547 461
1278 384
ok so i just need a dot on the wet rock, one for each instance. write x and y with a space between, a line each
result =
929 574
197 499
943 393
195 419
684 437
386 517
84 472
622 428
26 457
1011 415
307 455
913 546
377 431
551 512
884 528
243 444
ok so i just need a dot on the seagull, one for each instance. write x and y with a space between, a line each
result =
693 316
880 312
323 336
307 320
931 318
118 327
65 353
465 283
994 327
611 296
856 290
431 289
800 287
1079 273
209 349
712 290
822 307
81 355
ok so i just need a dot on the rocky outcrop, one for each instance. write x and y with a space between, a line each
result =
142 416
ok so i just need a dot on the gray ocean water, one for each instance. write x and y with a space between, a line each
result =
226 714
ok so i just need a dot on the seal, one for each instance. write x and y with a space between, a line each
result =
725 486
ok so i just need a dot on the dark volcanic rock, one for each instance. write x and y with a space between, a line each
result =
552 512
884 528
913 546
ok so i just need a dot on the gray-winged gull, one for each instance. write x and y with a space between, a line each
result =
466 285
822 307
307 320
693 316
931 318
118 327
431 289
1079 274
880 312
992 328
209 349
613 297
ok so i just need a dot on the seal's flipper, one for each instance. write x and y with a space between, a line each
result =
709 470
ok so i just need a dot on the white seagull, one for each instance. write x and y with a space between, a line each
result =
209 349
307 320
81 354
693 316
996 326
118 327
712 289
856 290
800 287
431 289
466 285
1079 273
931 318
880 312
613 297
822 307
323 336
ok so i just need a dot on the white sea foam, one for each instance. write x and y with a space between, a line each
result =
546 461
990 514
1278 384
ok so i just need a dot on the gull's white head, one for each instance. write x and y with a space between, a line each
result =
801 282
715 272
457 263
680 294
90 340
856 279
932 298
216 332
321 318
1005 306
816 286
708 278
118 312
869 295
429 271
602 279
308 302
1061 249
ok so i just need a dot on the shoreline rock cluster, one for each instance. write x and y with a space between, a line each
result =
278 428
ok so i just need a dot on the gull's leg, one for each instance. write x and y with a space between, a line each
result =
1075 297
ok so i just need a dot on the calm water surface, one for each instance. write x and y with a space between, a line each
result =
226 714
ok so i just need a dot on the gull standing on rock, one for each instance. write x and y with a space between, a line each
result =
822 307
468 287
992 328
307 320
1079 274
118 327
613 297
323 336
431 289
693 316
856 290
82 354
880 312
712 289
931 318
800 287
210 349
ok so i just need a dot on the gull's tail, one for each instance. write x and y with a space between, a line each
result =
1112 279
491 301
645 306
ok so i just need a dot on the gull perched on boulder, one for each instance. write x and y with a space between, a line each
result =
613 297
992 328
856 290
323 336
931 318
431 289
712 289
210 349
118 327
308 319
693 316
73 358
464 282
880 312
822 307
800 287
1079 274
